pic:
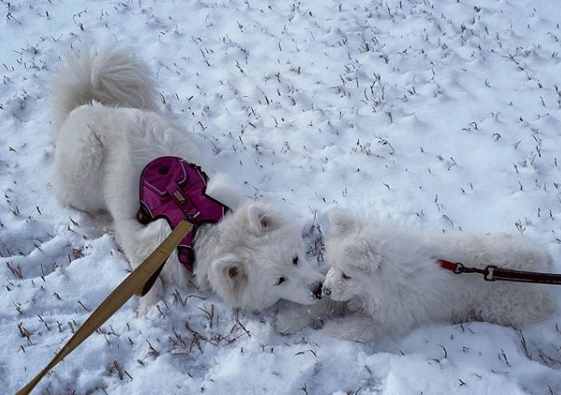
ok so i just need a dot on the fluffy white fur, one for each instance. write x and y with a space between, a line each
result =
389 277
107 128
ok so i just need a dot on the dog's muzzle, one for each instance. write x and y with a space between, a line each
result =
317 291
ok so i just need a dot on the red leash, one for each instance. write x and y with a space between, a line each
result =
494 273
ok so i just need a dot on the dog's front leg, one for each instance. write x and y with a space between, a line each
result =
153 296
356 327
293 317
138 242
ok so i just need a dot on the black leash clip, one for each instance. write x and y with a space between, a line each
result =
487 272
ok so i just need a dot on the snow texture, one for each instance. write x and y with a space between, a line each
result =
441 114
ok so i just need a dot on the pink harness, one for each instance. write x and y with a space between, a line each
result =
174 189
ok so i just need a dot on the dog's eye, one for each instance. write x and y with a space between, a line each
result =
295 260
280 281
345 276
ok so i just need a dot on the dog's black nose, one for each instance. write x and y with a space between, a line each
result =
326 291
317 291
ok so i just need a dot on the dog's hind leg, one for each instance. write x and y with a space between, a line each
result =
516 305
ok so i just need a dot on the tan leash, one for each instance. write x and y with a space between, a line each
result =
134 283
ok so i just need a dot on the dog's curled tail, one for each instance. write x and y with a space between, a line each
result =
110 75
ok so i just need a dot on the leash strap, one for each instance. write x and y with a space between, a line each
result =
494 273
134 283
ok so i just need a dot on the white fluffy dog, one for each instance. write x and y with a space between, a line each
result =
107 128
390 276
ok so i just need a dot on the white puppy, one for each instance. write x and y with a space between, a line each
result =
108 127
390 277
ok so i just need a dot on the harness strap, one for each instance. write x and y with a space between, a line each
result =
174 189
494 273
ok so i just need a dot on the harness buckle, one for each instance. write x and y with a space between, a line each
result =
193 217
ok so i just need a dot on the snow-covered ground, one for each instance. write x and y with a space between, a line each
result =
444 114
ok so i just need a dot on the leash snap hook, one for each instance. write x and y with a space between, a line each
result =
459 269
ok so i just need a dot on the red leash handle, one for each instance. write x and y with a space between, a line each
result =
449 265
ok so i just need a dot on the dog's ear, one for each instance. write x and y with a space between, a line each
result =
362 256
231 274
340 222
262 218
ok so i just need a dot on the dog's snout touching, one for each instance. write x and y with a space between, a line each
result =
317 290
326 291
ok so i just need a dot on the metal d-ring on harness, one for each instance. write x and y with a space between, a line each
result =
494 273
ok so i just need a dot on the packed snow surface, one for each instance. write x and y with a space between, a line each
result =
441 114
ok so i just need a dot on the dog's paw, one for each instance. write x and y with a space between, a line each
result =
357 328
354 305
292 320
317 323
294 317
